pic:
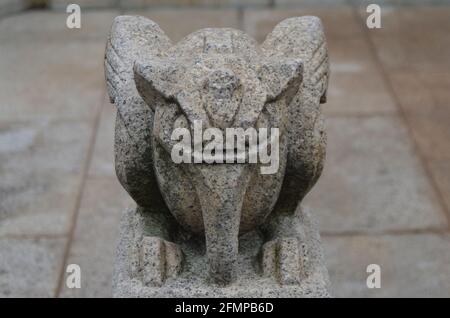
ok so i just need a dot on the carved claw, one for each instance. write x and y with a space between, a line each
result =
159 260
282 259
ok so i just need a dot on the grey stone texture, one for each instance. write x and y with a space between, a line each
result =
193 281
222 78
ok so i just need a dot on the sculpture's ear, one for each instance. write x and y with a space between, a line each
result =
156 79
280 76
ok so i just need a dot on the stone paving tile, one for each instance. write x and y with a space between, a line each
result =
411 265
51 27
30 268
352 67
399 3
43 80
103 201
425 99
355 85
414 38
181 22
37 205
419 3
373 182
50 146
8 7
40 165
95 237
102 163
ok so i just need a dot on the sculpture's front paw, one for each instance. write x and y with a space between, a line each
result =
159 260
282 259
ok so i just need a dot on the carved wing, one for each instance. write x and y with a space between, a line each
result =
304 38
133 38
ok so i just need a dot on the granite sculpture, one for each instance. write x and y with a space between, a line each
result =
213 229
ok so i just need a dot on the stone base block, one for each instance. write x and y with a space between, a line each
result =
192 279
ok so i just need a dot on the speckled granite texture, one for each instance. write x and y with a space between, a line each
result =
193 282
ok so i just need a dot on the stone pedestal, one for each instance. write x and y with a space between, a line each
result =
193 281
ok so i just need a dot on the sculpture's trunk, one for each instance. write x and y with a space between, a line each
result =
223 189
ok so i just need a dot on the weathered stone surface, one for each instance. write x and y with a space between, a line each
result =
217 78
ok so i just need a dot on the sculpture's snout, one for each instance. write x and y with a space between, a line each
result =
221 191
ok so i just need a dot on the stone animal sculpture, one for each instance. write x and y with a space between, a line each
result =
223 78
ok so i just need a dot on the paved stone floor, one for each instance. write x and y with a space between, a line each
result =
384 196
